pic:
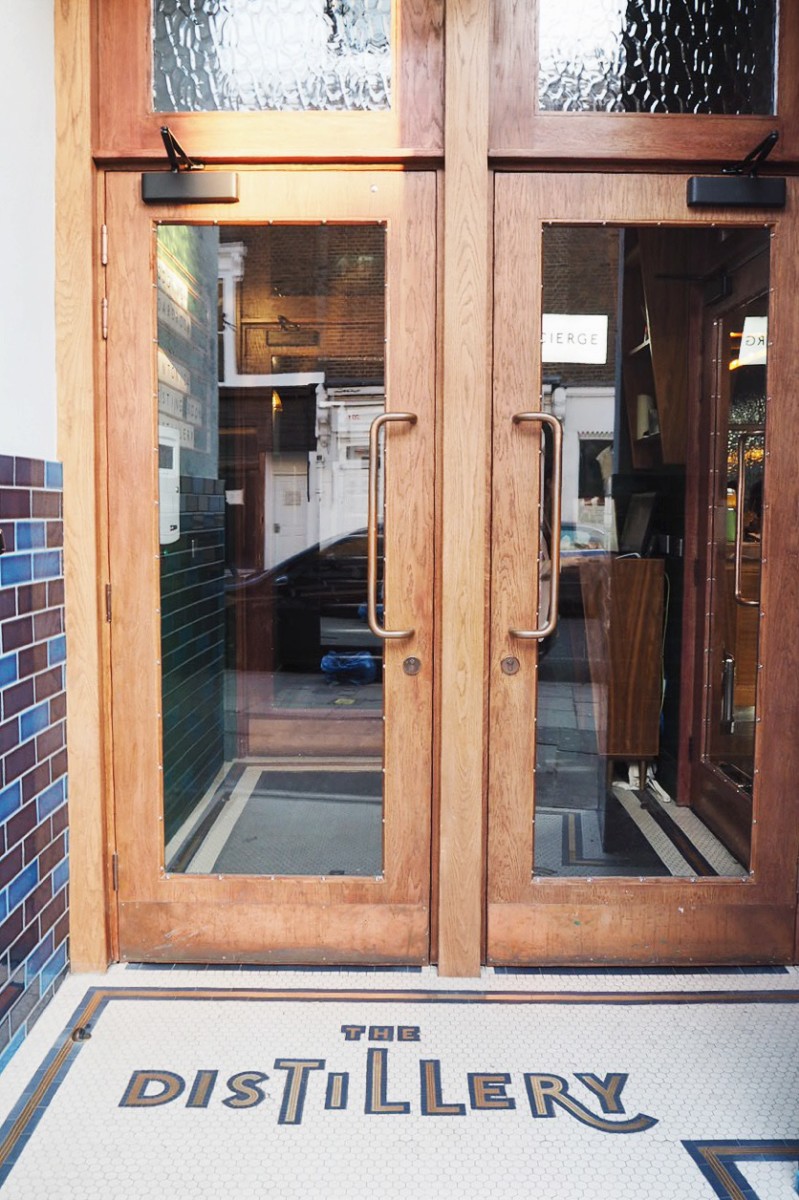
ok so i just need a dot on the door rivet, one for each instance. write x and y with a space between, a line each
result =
510 665
411 666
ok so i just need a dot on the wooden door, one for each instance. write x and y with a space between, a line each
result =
735 474
273 719
598 846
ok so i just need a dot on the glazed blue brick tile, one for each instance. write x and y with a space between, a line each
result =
10 800
55 966
15 568
53 475
35 648
47 565
34 721
57 650
30 535
39 957
60 875
51 799
21 887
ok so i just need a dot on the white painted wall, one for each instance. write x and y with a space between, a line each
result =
27 221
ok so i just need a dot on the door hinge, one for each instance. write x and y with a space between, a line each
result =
104 245
115 871
104 316
108 603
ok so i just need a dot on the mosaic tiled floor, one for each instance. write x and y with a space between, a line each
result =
198 1083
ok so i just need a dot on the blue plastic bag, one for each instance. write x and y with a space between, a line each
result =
349 668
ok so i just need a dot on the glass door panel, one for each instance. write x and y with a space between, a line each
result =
272 679
612 795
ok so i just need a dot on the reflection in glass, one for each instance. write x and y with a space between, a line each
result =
270 369
260 55
630 778
657 56
735 615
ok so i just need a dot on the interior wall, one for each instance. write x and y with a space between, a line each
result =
27 210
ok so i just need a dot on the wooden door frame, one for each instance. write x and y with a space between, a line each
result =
551 920
465 386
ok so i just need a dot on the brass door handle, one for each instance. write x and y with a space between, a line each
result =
371 527
546 629
740 497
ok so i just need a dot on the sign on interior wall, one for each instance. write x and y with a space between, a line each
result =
574 338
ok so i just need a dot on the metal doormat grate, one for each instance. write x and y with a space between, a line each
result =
189 1090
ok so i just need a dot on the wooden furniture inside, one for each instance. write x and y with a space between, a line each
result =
623 604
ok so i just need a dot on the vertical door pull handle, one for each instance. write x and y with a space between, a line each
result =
543 418
371 527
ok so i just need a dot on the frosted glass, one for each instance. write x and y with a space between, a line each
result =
659 56
261 55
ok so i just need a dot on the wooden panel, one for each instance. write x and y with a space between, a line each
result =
636 929
408 203
276 933
464 498
514 542
557 920
775 833
127 127
518 129
79 449
623 603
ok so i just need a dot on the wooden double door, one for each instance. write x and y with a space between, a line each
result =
274 430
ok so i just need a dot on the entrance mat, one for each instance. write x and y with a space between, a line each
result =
197 1092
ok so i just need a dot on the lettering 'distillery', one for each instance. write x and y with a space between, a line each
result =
593 1100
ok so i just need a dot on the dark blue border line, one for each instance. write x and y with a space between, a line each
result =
20 1125
717 1160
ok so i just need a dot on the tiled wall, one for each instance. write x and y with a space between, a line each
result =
192 647
33 780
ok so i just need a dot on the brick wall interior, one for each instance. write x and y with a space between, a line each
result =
33 766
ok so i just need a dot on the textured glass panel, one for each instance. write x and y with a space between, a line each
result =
261 55
659 56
